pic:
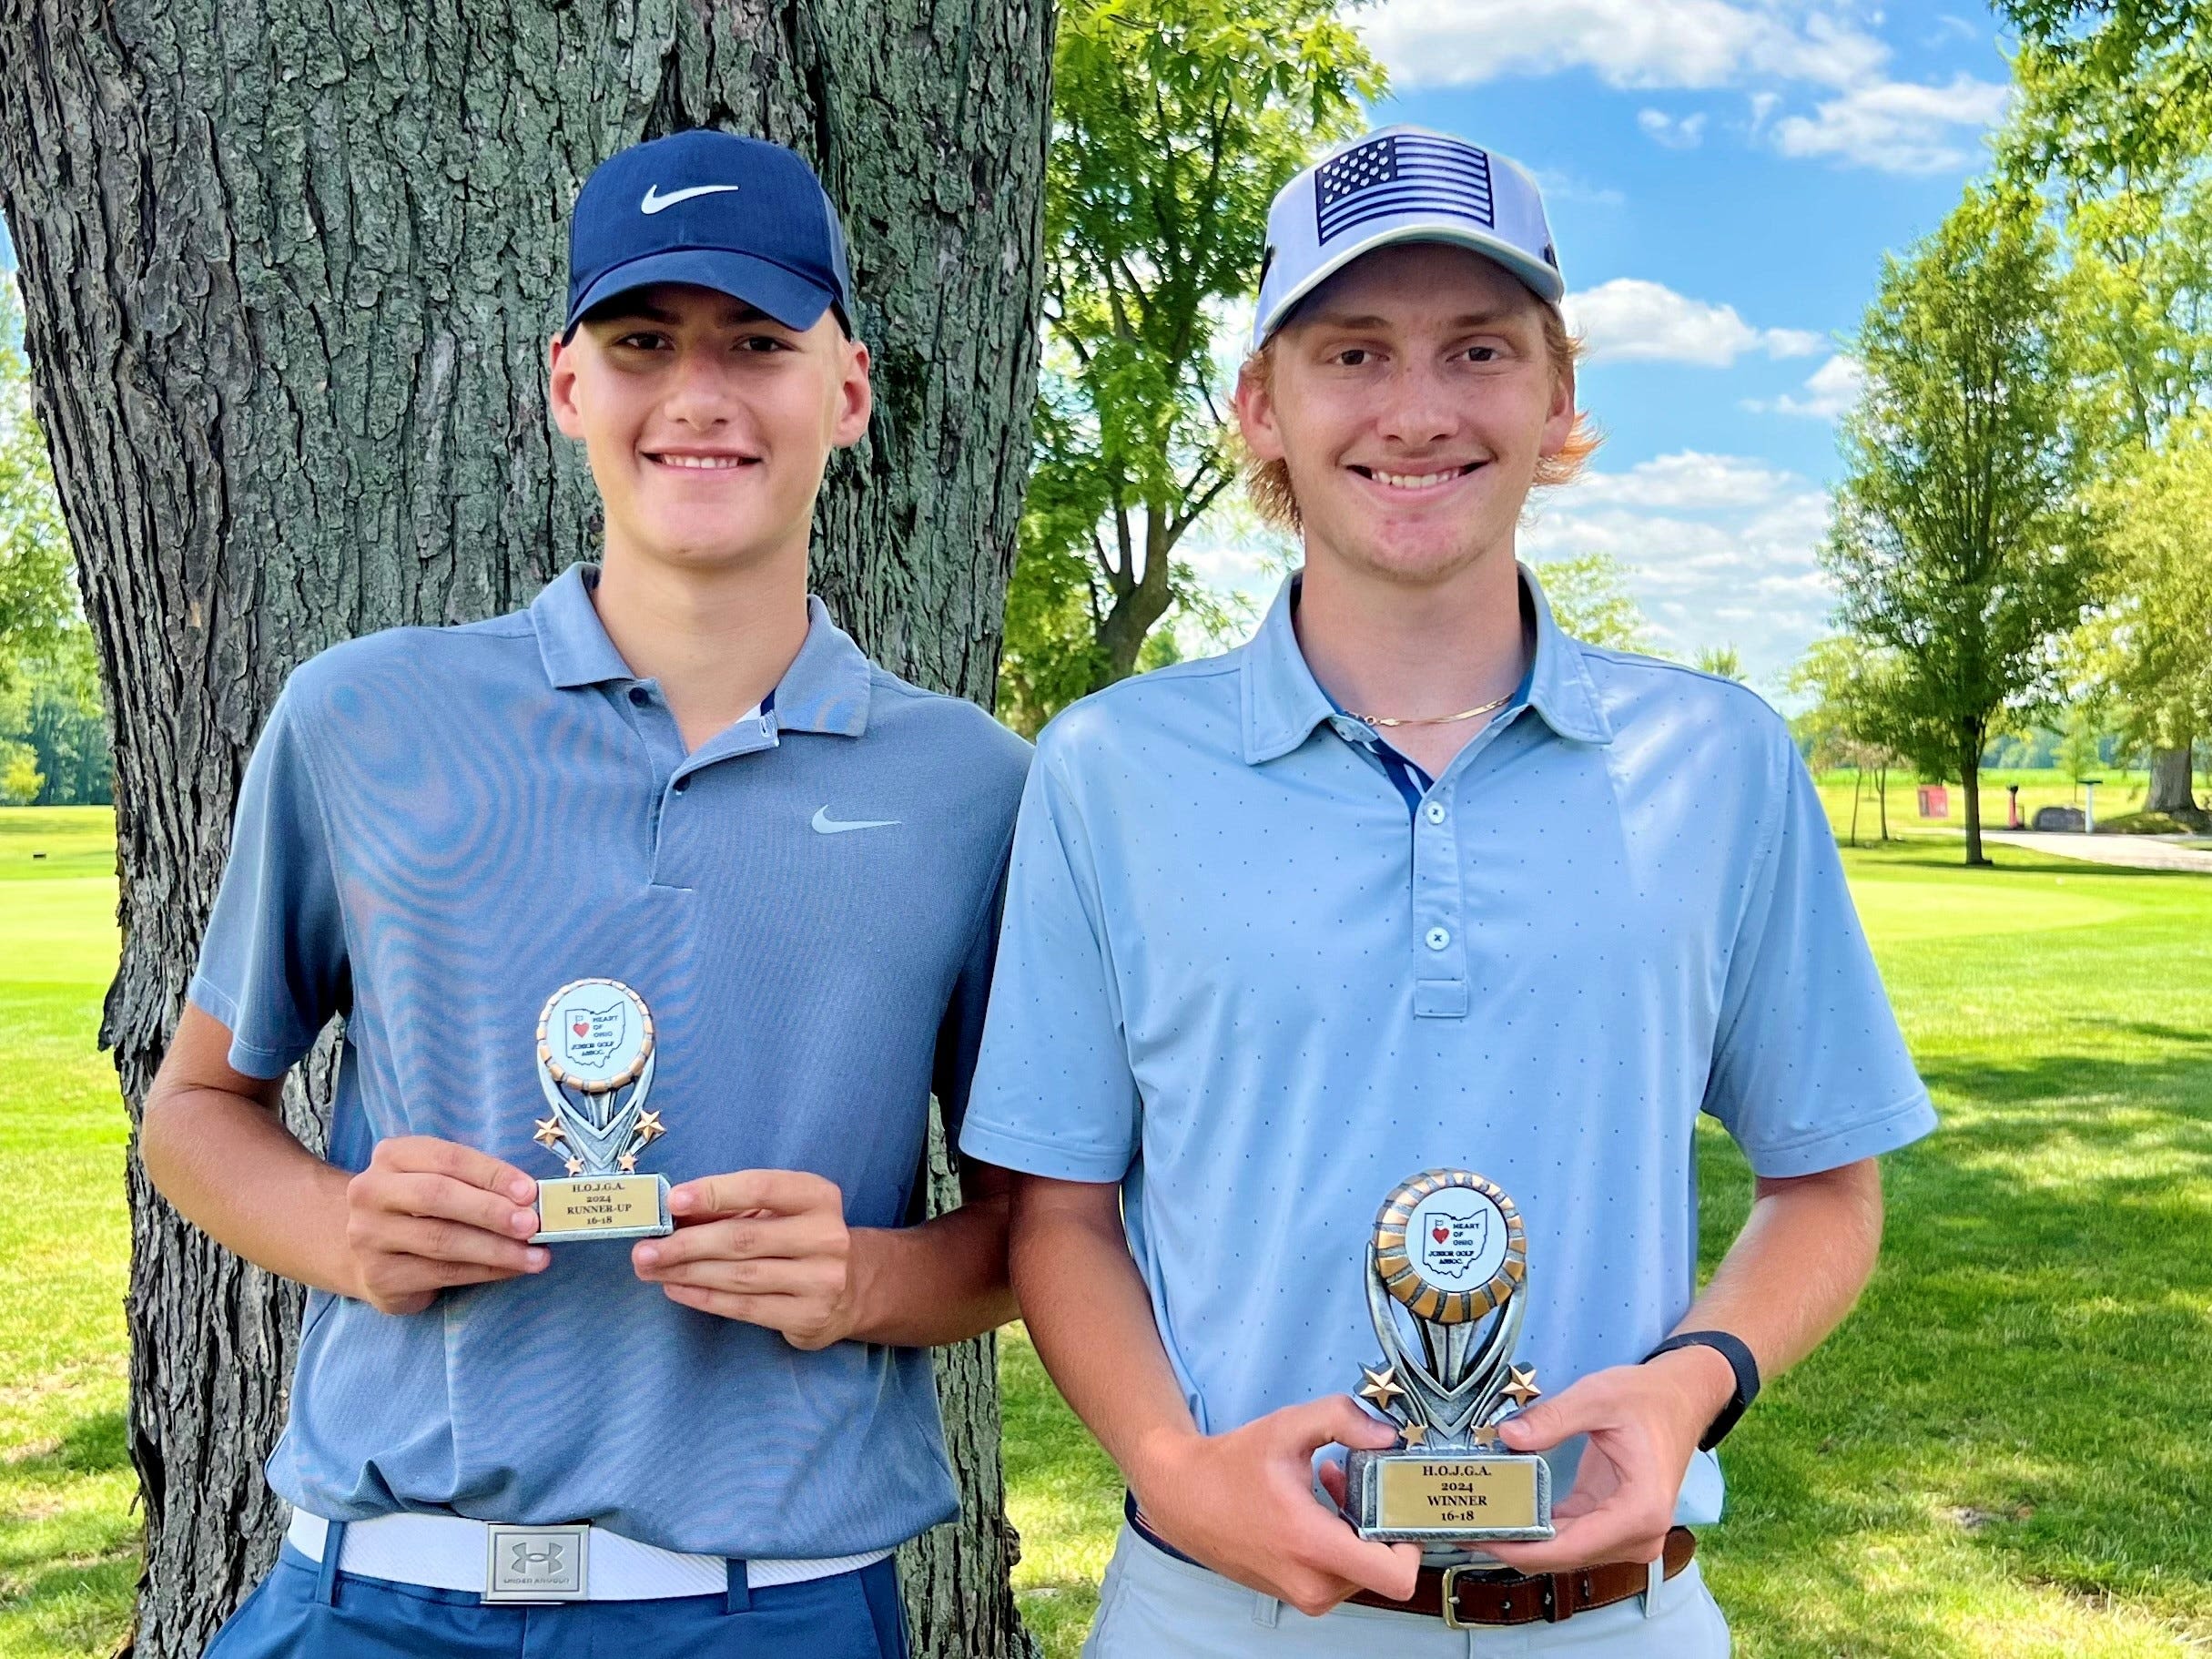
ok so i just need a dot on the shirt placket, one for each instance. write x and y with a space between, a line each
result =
1439 952
675 771
1439 918
647 711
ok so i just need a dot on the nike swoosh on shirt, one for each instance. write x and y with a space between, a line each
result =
654 202
825 825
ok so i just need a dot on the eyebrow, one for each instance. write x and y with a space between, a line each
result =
1472 320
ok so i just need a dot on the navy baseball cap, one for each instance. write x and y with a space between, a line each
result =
741 216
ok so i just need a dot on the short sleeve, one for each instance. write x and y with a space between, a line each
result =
272 967
1053 1093
1809 1071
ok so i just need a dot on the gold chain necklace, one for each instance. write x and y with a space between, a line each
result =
1385 722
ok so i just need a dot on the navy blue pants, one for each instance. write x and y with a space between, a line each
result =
302 1612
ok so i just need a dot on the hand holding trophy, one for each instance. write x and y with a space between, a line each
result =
1449 1249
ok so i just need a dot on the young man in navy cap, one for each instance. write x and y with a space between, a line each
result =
674 773
1414 881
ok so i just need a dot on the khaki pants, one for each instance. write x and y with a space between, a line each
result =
1152 1606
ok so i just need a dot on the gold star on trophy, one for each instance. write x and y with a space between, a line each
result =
1413 1434
1523 1388
549 1132
627 1163
1381 1387
575 1166
649 1128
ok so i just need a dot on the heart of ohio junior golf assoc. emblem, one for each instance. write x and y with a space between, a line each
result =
594 1034
1449 1246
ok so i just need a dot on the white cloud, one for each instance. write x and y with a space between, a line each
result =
1684 132
1626 42
1861 117
1722 550
1830 392
1894 126
1629 319
1570 187
1689 481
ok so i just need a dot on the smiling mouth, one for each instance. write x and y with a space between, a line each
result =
1416 481
702 463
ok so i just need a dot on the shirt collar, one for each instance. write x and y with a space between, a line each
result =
1282 702
572 642
825 688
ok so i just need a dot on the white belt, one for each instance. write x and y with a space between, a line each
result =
540 1564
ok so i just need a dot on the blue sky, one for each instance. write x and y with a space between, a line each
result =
1723 178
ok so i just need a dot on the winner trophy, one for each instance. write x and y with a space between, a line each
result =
1448 1248
595 1066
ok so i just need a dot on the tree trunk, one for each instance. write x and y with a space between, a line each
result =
1139 603
1970 768
1858 786
1882 801
2169 781
288 272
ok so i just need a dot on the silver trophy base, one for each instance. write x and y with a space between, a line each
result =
1457 1494
577 1207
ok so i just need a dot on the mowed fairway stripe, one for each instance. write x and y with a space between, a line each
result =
1893 911
60 932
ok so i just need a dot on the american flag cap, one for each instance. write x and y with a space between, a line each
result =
1402 184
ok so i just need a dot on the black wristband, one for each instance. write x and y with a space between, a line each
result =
1739 1356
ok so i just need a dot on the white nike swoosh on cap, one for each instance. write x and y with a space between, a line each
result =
653 201
825 825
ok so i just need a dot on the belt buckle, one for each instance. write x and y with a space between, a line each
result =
1448 1595
536 1564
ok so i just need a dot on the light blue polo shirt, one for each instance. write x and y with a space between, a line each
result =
1238 978
440 827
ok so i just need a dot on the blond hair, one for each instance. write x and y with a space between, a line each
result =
1268 482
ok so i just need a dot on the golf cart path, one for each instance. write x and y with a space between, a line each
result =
2132 851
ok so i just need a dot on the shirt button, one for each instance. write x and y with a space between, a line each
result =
1434 811
640 696
1436 938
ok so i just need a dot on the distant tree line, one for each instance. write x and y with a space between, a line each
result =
2021 534
53 736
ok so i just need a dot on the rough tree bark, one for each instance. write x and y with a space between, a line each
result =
289 269
2170 781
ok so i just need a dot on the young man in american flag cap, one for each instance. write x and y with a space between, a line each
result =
1414 880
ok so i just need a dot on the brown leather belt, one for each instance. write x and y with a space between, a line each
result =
1462 1595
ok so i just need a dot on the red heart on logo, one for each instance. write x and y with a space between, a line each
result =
1440 1232
582 1028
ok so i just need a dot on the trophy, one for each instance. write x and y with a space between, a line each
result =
595 1066
1450 1250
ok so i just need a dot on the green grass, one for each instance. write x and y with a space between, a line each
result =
68 1529
2006 1451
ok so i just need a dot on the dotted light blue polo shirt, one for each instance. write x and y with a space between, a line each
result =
440 827
1238 978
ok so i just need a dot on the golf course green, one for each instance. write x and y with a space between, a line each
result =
2006 1450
